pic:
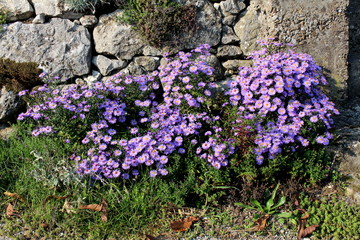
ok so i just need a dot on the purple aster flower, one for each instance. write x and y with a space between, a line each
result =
153 173
181 150
207 93
163 171
102 146
116 173
314 119
259 160
193 69
125 176
134 130
163 159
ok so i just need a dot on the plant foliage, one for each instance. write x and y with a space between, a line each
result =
160 22
19 76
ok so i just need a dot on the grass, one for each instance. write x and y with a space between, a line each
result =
37 168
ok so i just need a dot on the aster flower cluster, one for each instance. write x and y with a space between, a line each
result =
129 124
281 90
134 121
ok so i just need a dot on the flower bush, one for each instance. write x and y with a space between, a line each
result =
281 91
130 124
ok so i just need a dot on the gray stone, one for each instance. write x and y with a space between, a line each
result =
39 19
107 65
88 20
228 51
214 62
151 51
120 41
142 65
18 10
60 47
247 30
229 20
91 79
232 6
148 63
10 105
232 66
347 153
55 8
228 35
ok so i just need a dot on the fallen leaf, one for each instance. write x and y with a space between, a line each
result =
303 231
306 216
56 197
296 203
43 225
309 230
10 210
14 195
93 207
98 207
104 209
261 223
183 225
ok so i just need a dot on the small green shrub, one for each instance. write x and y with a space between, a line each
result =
84 5
19 76
337 219
160 22
3 17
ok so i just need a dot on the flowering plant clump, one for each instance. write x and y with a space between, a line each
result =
281 90
131 121
129 124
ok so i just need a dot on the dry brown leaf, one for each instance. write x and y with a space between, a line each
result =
56 197
98 207
309 230
14 195
296 203
104 209
303 231
306 216
93 207
10 210
261 223
43 225
183 225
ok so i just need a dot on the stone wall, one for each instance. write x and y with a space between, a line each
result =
88 46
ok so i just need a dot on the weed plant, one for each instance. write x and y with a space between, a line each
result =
159 22
19 76
337 219
3 18
85 5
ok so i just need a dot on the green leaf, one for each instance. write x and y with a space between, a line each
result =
281 202
269 204
283 214
242 205
274 192
245 206
257 205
